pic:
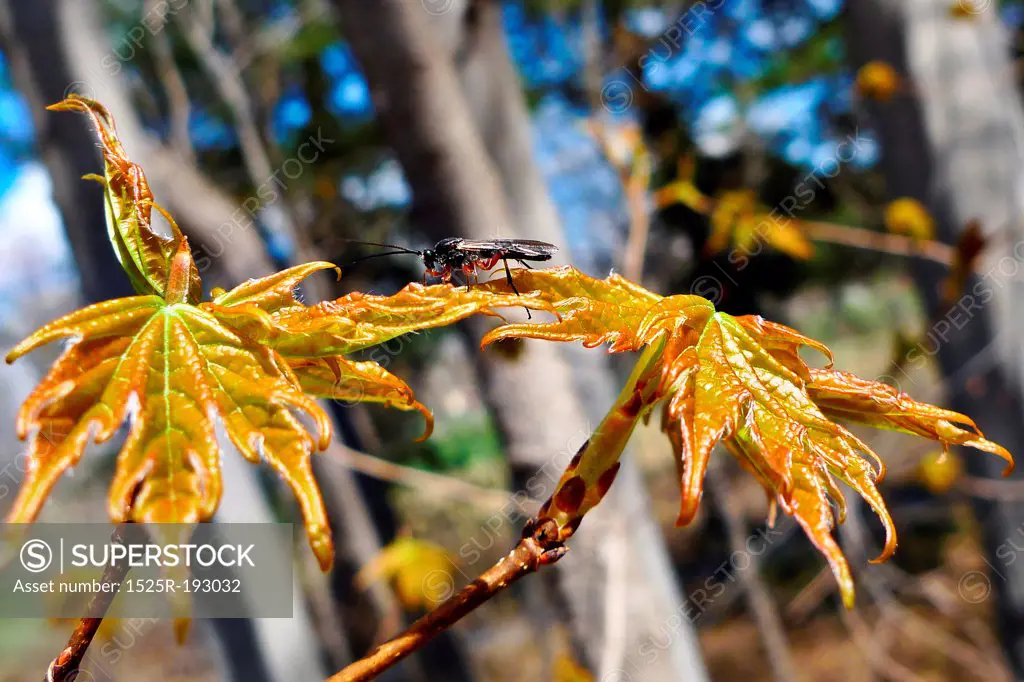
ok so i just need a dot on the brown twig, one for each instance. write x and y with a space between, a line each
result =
67 663
427 481
935 590
991 488
895 244
635 178
877 657
855 540
227 79
538 547
810 596
636 187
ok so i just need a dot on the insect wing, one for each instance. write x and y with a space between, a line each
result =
523 249
448 244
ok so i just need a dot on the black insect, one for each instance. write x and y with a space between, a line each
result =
472 256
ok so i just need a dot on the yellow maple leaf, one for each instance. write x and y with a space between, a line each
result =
175 369
907 216
567 669
683 191
878 80
421 572
740 221
735 381
144 254
940 471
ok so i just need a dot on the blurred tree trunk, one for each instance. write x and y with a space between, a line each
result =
957 145
467 156
66 145
475 40
492 88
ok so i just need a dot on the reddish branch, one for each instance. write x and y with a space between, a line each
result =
896 244
65 667
538 547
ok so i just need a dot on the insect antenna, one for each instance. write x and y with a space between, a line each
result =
397 250
378 255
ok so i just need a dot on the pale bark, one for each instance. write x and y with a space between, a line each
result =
966 83
497 105
953 141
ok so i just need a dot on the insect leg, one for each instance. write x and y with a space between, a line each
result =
508 278
469 269
524 264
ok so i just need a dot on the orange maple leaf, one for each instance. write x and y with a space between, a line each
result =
175 369
144 254
738 381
